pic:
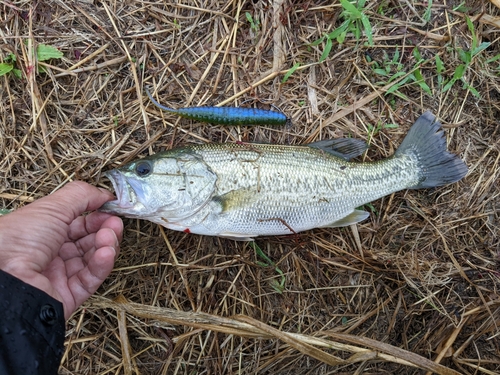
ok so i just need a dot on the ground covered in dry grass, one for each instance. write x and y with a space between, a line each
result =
413 289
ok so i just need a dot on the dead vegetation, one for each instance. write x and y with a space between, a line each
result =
414 289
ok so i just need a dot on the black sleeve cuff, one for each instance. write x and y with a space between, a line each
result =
32 329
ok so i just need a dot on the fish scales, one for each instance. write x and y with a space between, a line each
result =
280 193
241 191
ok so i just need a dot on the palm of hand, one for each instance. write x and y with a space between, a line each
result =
49 245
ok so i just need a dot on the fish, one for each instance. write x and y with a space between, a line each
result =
227 115
242 191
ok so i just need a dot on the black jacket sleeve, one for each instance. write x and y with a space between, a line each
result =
32 329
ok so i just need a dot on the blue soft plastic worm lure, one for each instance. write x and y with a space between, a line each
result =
226 115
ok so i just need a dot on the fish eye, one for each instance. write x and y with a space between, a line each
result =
143 168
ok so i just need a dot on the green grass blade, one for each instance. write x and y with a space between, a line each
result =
480 48
368 29
439 64
339 30
459 71
326 52
290 72
351 8
421 81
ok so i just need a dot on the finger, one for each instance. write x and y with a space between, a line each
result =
74 265
84 225
71 250
58 287
73 199
106 237
85 247
85 282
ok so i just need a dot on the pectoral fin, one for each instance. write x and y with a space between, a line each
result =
235 199
345 148
354 217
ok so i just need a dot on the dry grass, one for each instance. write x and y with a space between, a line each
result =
413 289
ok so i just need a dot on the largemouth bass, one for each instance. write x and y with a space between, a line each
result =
242 191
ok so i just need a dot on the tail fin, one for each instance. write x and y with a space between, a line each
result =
426 141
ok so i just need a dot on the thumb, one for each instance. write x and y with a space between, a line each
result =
73 199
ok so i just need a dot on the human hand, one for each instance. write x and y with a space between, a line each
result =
49 245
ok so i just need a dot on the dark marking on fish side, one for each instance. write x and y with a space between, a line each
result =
282 221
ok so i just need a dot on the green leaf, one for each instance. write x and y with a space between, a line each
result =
249 17
465 56
339 30
459 72
10 58
480 48
260 253
369 205
368 29
351 8
391 126
470 26
326 52
417 55
290 72
461 8
439 64
421 82
277 286
17 73
317 42
449 84
493 59
395 58
5 68
357 33
341 37
400 95
397 75
427 14
380 72
473 91
45 52
392 89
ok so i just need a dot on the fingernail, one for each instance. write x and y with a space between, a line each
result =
104 190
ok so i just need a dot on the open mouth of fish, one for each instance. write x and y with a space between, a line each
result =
125 195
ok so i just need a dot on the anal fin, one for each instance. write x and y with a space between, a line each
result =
354 217
237 236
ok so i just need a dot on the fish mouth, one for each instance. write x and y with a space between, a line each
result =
125 195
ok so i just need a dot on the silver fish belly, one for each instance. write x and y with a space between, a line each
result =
242 191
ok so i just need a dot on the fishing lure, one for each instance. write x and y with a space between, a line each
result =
226 115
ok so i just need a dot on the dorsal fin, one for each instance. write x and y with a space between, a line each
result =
345 148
